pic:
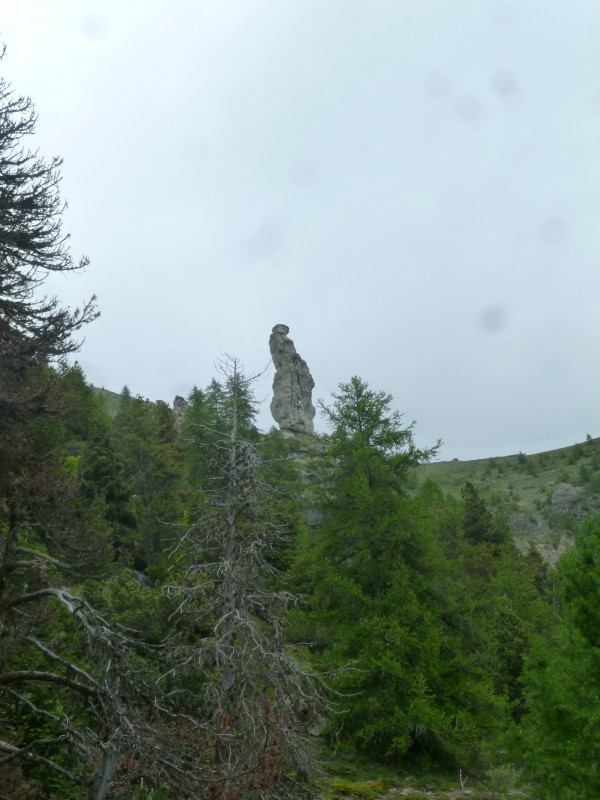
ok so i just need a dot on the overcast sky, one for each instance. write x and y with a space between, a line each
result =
413 186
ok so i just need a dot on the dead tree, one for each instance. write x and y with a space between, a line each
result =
255 700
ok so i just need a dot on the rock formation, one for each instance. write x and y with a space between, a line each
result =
291 406
180 406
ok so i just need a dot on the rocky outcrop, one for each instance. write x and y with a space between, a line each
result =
291 406
179 408
566 499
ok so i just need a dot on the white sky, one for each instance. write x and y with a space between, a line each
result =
413 186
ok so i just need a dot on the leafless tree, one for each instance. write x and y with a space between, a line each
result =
254 699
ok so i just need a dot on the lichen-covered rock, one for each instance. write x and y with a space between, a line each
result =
291 405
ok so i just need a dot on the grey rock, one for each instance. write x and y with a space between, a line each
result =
180 406
565 498
291 406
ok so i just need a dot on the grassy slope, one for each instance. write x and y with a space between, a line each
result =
110 400
523 489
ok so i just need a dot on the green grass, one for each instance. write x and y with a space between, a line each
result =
353 778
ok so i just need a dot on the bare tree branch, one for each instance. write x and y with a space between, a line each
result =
25 752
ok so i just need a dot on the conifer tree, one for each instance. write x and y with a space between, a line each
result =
479 527
60 709
371 571
33 328
146 444
558 738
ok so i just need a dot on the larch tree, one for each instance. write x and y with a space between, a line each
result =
371 571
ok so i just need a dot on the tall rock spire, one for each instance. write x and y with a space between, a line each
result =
291 406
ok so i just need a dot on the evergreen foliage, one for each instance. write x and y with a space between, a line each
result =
146 445
558 738
478 525
381 607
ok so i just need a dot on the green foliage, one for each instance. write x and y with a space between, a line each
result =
584 474
134 604
196 435
563 476
207 421
500 782
362 790
364 428
152 470
477 522
104 490
220 399
558 738
383 607
595 483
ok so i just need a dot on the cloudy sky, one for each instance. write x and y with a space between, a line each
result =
413 186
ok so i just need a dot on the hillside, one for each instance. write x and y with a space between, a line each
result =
110 400
542 496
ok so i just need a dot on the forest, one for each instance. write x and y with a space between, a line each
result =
195 608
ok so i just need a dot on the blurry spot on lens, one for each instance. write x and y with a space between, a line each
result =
438 85
492 319
469 108
504 83
553 229
94 26
266 240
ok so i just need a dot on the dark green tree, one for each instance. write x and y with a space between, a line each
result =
105 494
146 446
368 456
33 328
558 738
198 431
59 659
479 527
381 605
